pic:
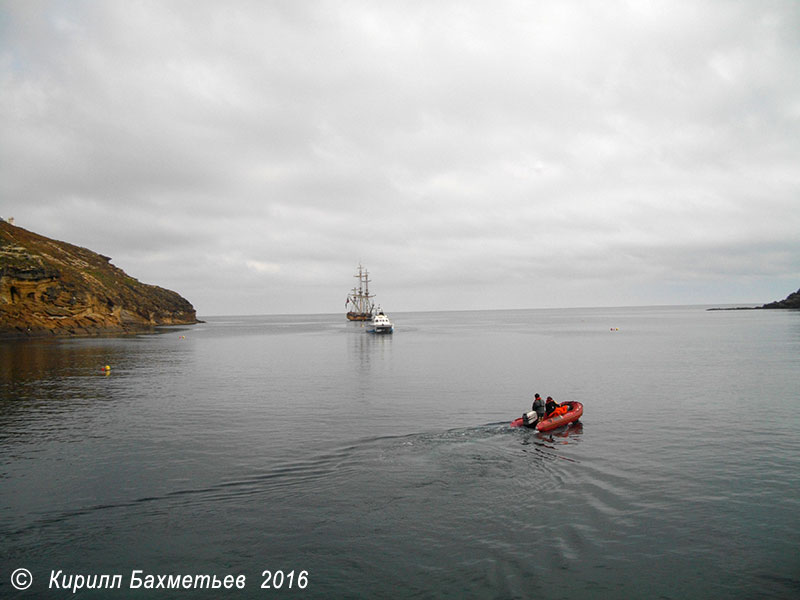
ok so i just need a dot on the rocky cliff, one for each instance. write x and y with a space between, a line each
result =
791 301
51 287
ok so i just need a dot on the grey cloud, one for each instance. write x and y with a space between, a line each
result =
449 144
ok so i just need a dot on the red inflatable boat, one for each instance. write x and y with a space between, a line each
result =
574 412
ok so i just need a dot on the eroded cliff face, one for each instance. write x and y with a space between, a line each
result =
50 287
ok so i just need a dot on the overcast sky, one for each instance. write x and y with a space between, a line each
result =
492 154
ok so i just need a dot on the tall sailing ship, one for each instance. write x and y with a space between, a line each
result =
359 300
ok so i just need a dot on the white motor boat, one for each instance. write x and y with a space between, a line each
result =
381 323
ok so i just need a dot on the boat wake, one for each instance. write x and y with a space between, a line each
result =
418 459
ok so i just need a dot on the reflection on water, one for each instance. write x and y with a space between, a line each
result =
23 362
561 435
44 386
364 347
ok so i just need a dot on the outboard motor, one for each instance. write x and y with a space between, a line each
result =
529 418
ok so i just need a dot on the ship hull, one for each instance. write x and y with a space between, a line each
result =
351 316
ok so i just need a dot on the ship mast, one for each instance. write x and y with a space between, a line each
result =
360 283
367 303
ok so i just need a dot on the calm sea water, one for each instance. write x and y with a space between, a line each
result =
384 467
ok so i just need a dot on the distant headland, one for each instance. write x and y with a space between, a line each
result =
791 301
48 287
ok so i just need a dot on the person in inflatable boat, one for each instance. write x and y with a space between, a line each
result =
536 413
538 406
554 409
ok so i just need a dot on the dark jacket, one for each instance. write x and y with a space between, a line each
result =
550 406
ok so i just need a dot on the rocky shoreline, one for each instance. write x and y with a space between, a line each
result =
792 301
53 288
